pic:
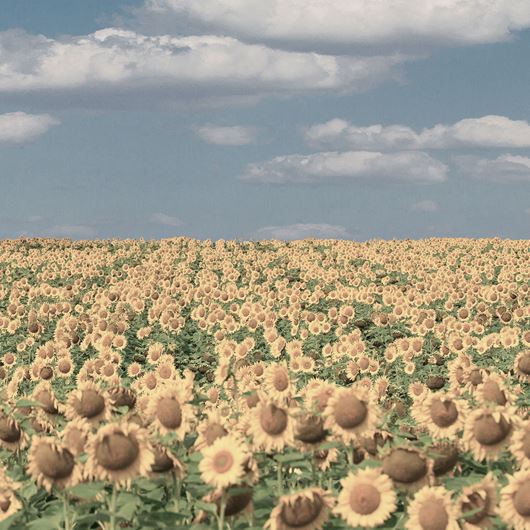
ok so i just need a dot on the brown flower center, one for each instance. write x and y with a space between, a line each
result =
76 439
238 502
443 413
302 511
433 515
273 420
310 429
64 366
5 503
445 459
122 397
364 499
280 380
169 413
524 364
405 466
479 502
492 392
117 451
53 462
162 461
9 430
475 377
46 373
521 499
213 431
90 404
46 399
223 461
488 432
526 443
349 411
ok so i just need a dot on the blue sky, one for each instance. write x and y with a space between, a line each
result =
233 119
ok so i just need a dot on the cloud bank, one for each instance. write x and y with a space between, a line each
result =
227 135
19 127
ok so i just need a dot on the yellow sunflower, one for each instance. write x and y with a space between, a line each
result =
479 502
493 389
277 383
432 509
51 464
304 510
210 429
12 436
88 401
165 461
514 506
520 444
488 430
408 468
270 426
351 414
522 366
223 462
75 435
119 452
367 498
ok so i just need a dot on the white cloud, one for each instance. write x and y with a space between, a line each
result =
18 127
119 65
412 166
359 22
302 231
488 131
504 168
231 135
426 206
165 220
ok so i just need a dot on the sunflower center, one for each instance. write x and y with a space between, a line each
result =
526 443
459 374
492 392
445 460
433 515
46 373
273 420
123 397
169 413
521 499
165 371
223 461
524 364
365 499
310 429
213 431
475 377
9 430
117 451
350 412
46 399
5 504
488 432
405 466
238 502
64 366
75 439
54 463
302 511
280 381
476 502
162 461
443 413
90 404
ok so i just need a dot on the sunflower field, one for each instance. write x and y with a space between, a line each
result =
307 385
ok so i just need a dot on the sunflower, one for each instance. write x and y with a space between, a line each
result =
318 392
417 391
170 411
325 457
277 383
9 503
134 369
88 401
270 426
514 506
165 461
119 452
304 510
520 444
488 430
223 462
479 501
65 367
43 393
522 366
75 435
432 509
12 436
309 429
51 464
493 389
441 414
210 429
408 468
367 498
351 414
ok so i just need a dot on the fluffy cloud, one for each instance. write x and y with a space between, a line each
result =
360 22
412 166
488 131
426 206
20 127
504 168
119 65
165 220
302 231
233 135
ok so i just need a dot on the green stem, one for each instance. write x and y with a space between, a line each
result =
67 522
279 479
112 508
222 508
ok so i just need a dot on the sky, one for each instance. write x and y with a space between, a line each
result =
246 119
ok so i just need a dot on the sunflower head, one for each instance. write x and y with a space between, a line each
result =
407 467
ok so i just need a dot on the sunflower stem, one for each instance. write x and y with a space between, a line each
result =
112 508
67 522
222 509
279 479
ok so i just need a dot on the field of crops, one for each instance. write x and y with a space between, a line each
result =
232 385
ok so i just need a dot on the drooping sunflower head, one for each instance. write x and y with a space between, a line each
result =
309 429
44 394
210 429
165 461
12 436
304 510
493 390
441 414
522 365
119 452
88 401
51 464
478 502
407 467
75 435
